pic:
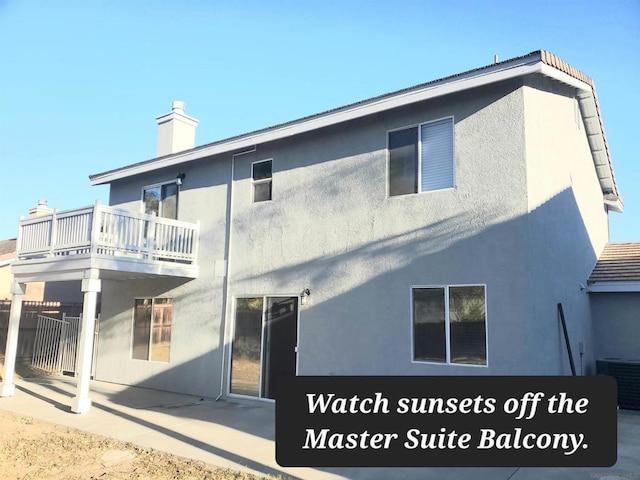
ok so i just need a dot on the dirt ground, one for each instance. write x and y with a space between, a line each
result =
31 449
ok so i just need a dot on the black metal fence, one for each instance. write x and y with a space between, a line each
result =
29 322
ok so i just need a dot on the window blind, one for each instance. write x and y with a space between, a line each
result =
437 155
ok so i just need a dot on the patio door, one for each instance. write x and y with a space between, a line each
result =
264 344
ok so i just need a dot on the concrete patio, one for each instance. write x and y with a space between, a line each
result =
240 435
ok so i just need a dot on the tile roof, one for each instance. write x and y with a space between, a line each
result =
556 62
619 262
7 246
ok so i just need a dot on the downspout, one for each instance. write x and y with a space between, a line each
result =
227 256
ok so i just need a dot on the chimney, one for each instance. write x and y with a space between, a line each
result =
176 130
41 209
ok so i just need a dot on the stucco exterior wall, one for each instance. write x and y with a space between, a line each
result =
66 292
566 227
616 324
196 348
525 219
34 291
6 279
332 228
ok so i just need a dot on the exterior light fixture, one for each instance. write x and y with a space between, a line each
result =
180 178
304 296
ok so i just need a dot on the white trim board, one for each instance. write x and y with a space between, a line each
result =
519 67
602 287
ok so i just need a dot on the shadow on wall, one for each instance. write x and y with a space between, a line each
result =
68 292
115 341
354 327
359 317
339 333
347 141
616 324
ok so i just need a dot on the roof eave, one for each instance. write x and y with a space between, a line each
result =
503 71
594 126
614 204
7 261
541 62
614 286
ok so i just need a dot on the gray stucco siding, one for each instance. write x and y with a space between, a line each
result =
616 324
566 227
331 228
524 219
196 335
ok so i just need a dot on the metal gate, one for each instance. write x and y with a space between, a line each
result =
57 343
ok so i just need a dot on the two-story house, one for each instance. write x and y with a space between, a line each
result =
428 231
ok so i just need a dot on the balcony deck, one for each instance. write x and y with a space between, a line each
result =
120 243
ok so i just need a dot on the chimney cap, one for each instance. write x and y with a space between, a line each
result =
40 209
178 105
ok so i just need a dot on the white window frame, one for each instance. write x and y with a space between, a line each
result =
447 327
419 127
160 184
261 181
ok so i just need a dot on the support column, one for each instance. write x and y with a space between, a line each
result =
90 286
11 350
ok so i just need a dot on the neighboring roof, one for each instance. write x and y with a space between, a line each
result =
540 61
618 268
8 246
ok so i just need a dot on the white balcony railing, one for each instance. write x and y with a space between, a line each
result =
104 230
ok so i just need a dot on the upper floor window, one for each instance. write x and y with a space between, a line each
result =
421 158
261 179
161 200
450 324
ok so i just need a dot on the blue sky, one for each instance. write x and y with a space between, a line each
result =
82 81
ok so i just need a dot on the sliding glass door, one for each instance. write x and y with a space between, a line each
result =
264 344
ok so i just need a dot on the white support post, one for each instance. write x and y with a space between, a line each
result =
11 350
54 233
91 285
20 237
151 237
95 228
